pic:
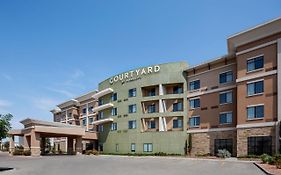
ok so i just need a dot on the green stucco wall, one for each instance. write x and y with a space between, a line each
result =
168 141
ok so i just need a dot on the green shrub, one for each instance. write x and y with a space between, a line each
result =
223 153
18 152
27 153
92 152
160 154
265 158
277 160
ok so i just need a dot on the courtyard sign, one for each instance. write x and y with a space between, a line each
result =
134 74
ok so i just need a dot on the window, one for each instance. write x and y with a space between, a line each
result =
225 97
255 63
117 147
113 126
114 111
101 115
84 111
226 118
177 123
133 92
255 88
114 97
194 85
91 120
69 116
151 124
177 90
177 107
91 109
133 108
255 112
100 128
132 124
133 147
194 121
151 108
147 147
100 102
260 145
226 77
223 144
152 92
194 103
84 122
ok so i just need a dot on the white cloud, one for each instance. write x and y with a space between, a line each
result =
64 92
45 103
5 103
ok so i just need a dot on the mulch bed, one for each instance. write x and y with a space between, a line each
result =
270 168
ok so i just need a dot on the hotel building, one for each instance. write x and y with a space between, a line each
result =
231 102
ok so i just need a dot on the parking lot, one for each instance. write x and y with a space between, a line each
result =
118 165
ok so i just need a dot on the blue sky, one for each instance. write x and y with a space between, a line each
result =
51 51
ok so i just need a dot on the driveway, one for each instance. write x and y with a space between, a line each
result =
118 165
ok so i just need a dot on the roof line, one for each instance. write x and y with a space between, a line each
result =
253 28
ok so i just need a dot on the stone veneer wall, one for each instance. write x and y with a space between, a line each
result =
243 134
204 143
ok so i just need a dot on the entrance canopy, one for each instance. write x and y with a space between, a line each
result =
35 131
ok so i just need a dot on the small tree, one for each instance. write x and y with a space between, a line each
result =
5 125
189 143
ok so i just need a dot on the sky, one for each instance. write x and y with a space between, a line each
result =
52 51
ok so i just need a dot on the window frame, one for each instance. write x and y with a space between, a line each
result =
225 113
253 58
226 92
255 87
255 112
134 92
114 111
114 126
148 146
131 111
226 72
193 99
193 81
134 126
194 126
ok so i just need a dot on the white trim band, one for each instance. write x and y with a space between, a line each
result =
260 75
191 131
256 125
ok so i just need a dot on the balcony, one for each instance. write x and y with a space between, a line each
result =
150 91
150 107
173 88
102 107
102 121
102 93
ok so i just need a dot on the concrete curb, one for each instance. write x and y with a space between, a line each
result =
264 170
180 158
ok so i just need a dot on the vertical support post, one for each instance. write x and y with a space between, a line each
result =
25 143
42 145
70 145
35 144
78 145
278 96
87 119
12 144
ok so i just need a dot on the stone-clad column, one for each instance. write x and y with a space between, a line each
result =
78 145
12 144
25 143
35 144
69 145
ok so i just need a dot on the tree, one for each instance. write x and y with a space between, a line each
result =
5 125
